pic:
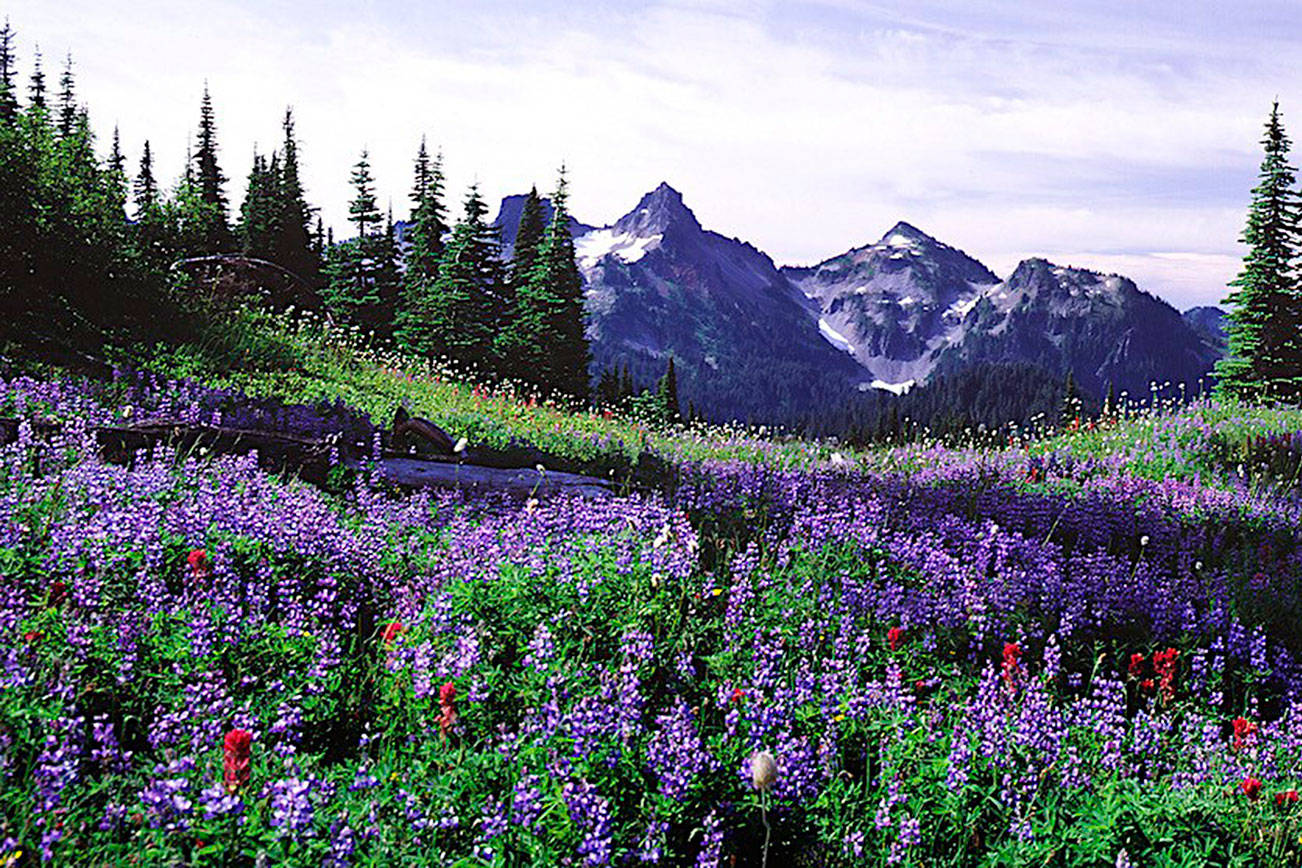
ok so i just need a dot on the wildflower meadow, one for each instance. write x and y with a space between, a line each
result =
1038 655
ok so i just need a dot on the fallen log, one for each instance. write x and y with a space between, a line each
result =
312 460
519 481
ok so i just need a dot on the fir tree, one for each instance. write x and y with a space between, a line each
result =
425 250
528 236
1265 350
36 90
362 210
145 190
67 101
667 393
351 290
388 276
293 247
464 312
8 62
211 218
117 174
152 238
259 212
607 391
545 343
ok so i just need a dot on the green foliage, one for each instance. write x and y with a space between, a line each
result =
464 310
292 245
417 326
260 212
360 273
544 343
1264 326
211 228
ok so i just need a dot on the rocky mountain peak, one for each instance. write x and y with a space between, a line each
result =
656 212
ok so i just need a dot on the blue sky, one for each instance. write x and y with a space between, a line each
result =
1119 136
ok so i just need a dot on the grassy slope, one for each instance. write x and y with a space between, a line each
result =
306 359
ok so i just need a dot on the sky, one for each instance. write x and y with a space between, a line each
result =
1117 136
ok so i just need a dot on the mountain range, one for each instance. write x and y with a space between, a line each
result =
755 341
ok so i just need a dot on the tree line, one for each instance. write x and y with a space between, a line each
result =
87 240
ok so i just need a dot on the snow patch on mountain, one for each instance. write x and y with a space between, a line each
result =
624 246
834 337
895 388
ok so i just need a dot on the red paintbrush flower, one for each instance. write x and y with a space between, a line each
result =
1288 797
1164 663
737 695
198 561
1136 667
1251 787
894 635
236 755
1242 729
1012 653
447 705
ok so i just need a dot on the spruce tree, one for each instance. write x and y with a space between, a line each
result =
117 174
528 237
293 247
145 190
1265 350
545 342
351 291
152 238
425 250
362 210
8 62
388 276
259 210
67 101
667 393
214 231
36 90
464 313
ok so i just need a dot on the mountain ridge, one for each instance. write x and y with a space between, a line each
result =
749 335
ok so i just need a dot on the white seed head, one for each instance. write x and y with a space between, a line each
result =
763 770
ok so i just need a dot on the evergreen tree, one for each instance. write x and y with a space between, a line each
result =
1070 399
214 233
259 217
67 101
608 387
545 342
117 174
388 276
464 313
528 237
152 237
1265 350
667 393
626 387
319 240
362 210
351 290
8 62
145 191
36 90
293 247
415 331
